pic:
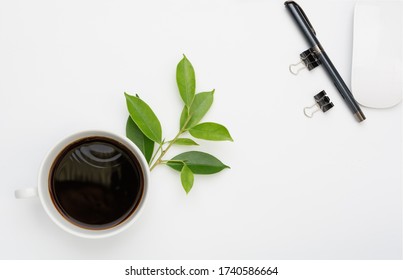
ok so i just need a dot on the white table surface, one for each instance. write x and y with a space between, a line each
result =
298 188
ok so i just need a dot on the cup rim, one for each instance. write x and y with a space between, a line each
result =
52 211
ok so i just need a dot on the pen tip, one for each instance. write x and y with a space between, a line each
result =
359 116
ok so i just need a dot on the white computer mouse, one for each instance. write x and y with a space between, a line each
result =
377 69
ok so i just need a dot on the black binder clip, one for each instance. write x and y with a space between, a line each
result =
309 60
322 102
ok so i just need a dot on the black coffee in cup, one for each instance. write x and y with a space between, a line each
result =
96 183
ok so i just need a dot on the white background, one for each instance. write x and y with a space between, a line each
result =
298 188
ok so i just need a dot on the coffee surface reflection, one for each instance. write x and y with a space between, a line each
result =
96 183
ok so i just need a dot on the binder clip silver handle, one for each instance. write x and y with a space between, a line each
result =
309 60
322 103
309 111
296 68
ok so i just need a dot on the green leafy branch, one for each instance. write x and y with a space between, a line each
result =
144 129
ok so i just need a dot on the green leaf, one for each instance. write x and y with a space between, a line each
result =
185 142
185 78
144 118
198 162
187 178
200 106
211 131
145 144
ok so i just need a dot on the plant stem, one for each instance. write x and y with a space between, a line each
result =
164 151
159 148
177 161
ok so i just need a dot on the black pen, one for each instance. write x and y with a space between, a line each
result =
310 34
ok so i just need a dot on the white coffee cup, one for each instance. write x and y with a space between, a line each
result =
43 189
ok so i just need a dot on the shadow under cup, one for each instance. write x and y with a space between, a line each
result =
96 183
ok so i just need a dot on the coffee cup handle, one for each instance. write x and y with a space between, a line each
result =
26 193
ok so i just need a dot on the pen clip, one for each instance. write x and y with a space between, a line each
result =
304 16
